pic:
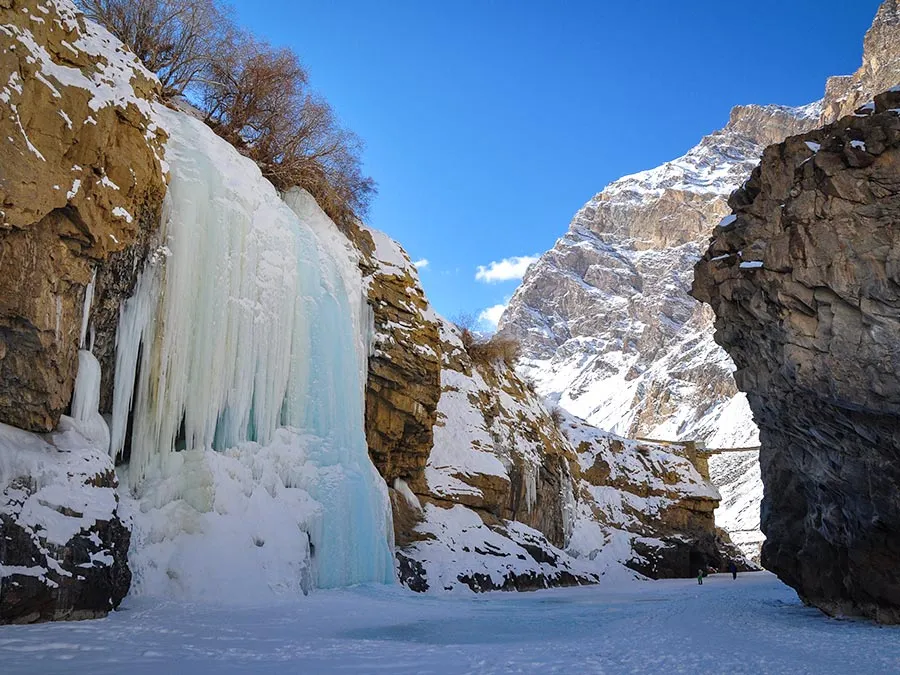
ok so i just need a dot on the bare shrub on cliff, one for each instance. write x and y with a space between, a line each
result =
486 350
466 323
176 39
556 415
258 98
495 350
530 383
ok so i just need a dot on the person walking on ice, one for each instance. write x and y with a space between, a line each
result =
700 576
733 569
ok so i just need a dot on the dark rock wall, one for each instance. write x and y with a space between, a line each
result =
806 287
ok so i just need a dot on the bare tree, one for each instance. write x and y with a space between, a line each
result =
258 98
176 39
254 95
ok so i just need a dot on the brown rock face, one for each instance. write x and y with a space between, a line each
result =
404 382
486 486
81 185
806 287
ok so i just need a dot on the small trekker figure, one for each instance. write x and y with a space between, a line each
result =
700 576
733 569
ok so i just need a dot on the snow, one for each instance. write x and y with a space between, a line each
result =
737 475
727 220
109 84
457 542
46 483
752 625
815 147
462 444
120 212
392 257
751 264
713 167
235 520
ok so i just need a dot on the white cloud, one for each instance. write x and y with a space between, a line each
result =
504 270
491 315
421 264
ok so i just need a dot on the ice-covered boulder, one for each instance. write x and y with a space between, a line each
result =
63 542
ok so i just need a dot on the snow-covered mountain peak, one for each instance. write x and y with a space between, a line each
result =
721 161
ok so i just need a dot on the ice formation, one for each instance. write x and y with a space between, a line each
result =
240 374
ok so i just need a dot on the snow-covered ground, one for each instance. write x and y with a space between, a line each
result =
752 625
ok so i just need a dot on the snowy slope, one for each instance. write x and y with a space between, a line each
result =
737 475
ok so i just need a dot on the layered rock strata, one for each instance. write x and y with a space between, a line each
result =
804 282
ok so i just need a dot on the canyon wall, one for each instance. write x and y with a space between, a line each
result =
805 284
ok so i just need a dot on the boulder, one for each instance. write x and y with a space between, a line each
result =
63 542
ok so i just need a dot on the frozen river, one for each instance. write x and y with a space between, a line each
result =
752 625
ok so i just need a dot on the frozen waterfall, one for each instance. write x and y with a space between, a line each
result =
240 376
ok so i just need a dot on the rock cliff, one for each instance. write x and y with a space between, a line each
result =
81 190
605 317
606 323
804 284
880 69
63 543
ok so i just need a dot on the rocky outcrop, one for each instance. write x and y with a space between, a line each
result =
880 69
804 282
652 499
488 489
80 194
404 382
63 545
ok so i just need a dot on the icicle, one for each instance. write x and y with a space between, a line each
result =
86 401
86 311
531 473
86 394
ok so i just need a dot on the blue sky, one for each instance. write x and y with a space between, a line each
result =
488 124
